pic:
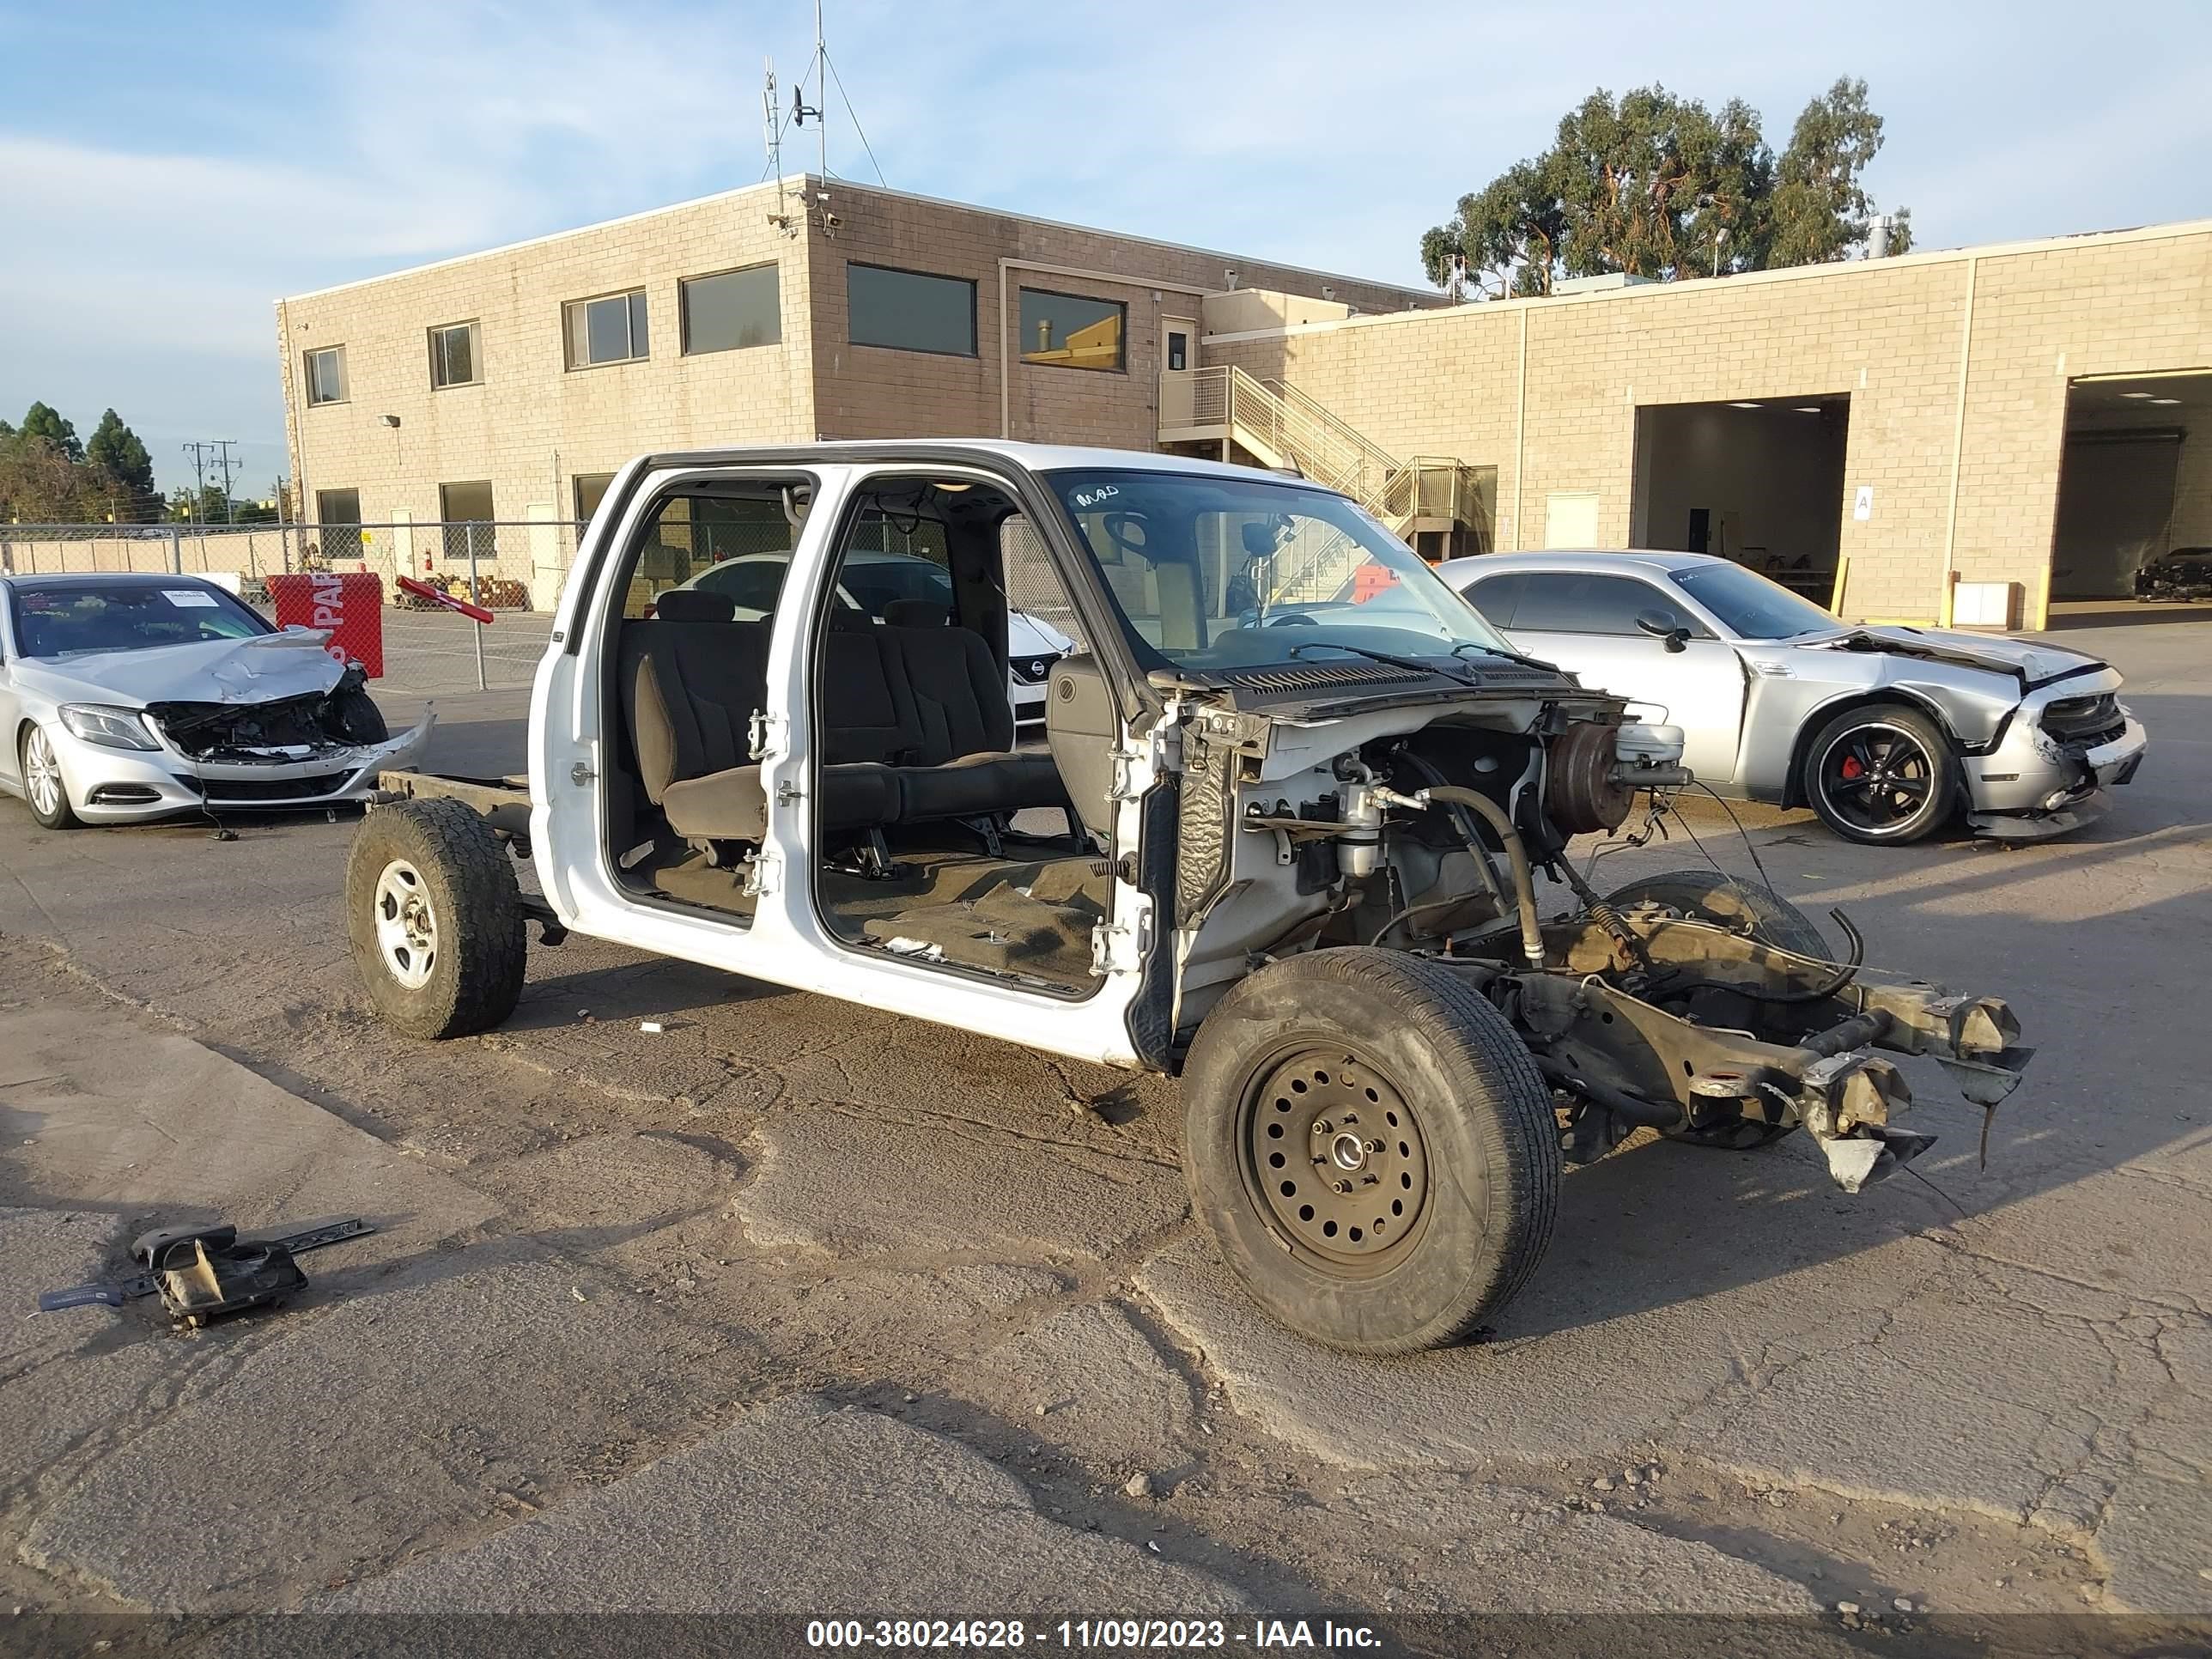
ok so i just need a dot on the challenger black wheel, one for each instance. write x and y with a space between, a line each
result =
1372 1148
1882 776
435 919
1741 905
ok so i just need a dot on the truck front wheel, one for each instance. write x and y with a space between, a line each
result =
1372 1147
435 919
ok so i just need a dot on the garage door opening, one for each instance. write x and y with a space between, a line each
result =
1759 482
2135 481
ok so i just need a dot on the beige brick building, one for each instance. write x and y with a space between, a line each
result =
553 381
2001 415
1912 437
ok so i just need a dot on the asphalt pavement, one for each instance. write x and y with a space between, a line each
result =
794 1306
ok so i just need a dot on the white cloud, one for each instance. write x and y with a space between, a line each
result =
141 271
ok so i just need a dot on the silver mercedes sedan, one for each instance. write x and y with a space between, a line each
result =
129 697
1885 732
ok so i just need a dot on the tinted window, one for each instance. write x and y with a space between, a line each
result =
1495 596
591 489
737 308
54 621
1064 330
753 585
609 330
909 311
1570 602
1751 605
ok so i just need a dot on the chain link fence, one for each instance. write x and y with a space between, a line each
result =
513 568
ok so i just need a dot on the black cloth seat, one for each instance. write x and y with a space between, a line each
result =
916 723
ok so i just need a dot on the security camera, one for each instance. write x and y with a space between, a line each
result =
830 221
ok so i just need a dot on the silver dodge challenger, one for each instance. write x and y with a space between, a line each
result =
1885 732
128 698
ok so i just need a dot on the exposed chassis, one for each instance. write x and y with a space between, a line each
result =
1596 1037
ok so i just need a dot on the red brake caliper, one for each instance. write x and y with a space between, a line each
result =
1851 768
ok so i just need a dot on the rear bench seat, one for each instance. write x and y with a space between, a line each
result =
916 725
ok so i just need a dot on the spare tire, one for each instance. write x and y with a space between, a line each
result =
435 919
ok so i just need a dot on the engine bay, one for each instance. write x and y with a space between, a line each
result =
281 731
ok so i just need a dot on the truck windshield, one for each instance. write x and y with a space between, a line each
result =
1215 572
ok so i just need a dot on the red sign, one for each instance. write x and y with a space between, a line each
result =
439 596
348 603
1370 579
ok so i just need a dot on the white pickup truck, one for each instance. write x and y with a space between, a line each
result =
1286 850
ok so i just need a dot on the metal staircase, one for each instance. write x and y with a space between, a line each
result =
1279 426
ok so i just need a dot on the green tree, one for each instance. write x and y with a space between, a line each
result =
1821 211
1657 185
44 421
39 484
114 451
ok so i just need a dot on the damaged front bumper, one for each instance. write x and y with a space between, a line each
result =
116 785
2031 785
1631 1055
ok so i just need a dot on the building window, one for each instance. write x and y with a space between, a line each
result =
1065 330
610 330
909 312
326 379
591 489
453 356
732 309
466 510
337 514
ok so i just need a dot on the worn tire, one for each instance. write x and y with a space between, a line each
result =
1731 902
359 720
475 973
62 817
1484 1119
1936 806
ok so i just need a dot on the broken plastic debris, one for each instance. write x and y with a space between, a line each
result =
652 1026
903 946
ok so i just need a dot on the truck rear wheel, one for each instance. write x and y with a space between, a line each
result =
1741 905
435 919
1372 1148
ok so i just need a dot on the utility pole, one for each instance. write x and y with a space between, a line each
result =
223 446
199 474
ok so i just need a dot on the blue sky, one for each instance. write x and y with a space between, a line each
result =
166 171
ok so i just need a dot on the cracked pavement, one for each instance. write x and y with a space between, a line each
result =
795 1305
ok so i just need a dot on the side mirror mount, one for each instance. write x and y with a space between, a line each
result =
1661 626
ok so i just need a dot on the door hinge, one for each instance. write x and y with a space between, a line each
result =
1120 947
764 734
761 871
1121 784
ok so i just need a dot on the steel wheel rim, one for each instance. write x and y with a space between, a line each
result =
1334 1156
406 926
1878 778
42 775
